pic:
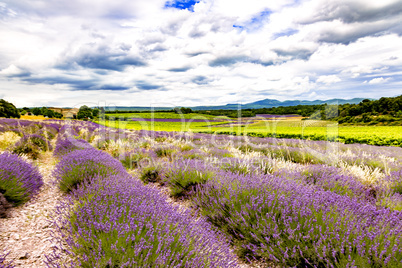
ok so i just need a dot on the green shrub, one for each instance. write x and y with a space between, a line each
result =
182 181
29 149
150 174
164 152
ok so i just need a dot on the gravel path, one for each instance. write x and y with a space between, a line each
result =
26 232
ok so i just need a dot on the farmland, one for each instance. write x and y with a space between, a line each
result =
144 199
282 128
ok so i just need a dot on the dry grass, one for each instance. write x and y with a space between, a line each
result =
7 139
33 117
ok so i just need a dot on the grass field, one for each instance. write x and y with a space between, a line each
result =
162 115
298 129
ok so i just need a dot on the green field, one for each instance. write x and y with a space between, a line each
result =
298 129
163 115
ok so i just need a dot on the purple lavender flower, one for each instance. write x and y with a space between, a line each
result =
68 144
119 222
292 224
19 180
3 262
80 165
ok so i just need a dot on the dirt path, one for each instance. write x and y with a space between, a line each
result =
26 231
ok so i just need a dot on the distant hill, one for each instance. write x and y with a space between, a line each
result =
270 103
267 103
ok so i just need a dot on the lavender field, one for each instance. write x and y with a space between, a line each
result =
170 199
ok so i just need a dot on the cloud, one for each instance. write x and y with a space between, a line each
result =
14 71
300 54
286 32
6 12
180 69
222 50
351 11
142 85
255 22
101 58
74 83
114 87
200 80
378 80
328 79
227 60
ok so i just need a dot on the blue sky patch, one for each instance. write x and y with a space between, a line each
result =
287 32
181 4
255 22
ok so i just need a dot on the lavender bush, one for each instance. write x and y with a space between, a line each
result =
19 180
80 165
68 144
291 224
118 222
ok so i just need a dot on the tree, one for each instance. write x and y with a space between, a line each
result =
182 110
43 111
49 113
36 111
95 113
58 115
8 110
84 112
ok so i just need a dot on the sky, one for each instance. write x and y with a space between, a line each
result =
197 52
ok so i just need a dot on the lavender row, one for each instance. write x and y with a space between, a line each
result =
19 180
187 167
291 224
111 220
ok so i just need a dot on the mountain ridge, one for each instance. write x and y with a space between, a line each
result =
265 103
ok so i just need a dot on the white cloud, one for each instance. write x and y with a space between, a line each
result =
328 79
378 80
